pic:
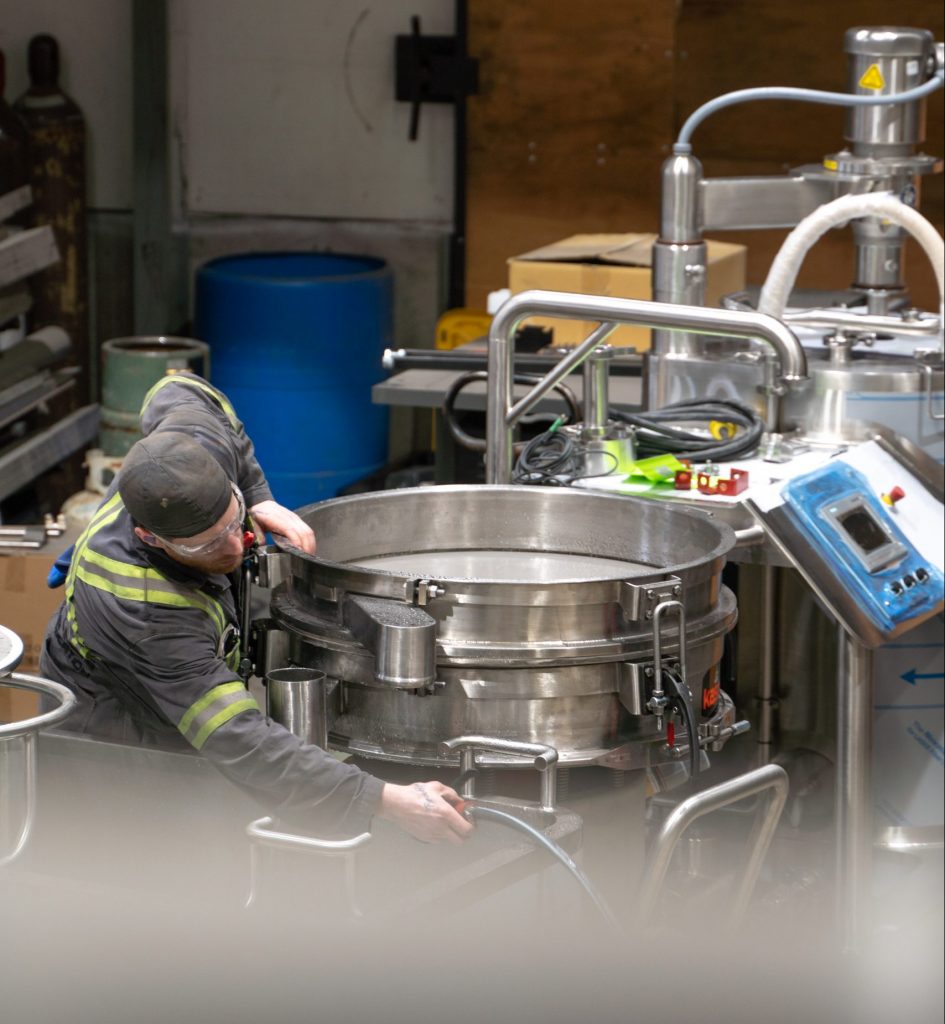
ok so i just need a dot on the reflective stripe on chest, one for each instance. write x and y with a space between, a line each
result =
130 582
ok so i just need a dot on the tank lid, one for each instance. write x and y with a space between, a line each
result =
888 41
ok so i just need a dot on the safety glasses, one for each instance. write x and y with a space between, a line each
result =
208 547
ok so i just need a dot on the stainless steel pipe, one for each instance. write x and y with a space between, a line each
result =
297 698
716 322
18 748
854 801
545 759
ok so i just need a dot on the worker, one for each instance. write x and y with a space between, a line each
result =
147 635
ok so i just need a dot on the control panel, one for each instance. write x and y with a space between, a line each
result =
863 525
859 541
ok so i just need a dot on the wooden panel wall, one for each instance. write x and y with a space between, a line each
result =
580 103
565 135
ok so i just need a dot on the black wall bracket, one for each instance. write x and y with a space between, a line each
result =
432 69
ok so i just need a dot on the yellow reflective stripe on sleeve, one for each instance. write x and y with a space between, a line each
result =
190 382
213 709
223 690
221 718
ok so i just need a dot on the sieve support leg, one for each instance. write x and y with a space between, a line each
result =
769 777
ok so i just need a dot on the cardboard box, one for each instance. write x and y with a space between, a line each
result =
26 606
617 266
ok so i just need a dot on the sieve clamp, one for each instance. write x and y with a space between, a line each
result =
428 591
272 566
659 700
639 601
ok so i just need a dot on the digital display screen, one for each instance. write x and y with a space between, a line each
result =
863 529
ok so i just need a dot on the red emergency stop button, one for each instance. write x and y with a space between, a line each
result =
895 494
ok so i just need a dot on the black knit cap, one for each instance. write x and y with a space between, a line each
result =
173 486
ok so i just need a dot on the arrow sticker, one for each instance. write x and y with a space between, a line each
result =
912 677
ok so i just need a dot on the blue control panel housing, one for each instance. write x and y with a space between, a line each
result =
860 542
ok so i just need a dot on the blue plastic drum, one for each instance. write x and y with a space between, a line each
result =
296 342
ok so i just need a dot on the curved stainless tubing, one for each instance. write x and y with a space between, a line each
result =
770 776
261 834
30 726
26 730
545 759
258 830
501 415
750 536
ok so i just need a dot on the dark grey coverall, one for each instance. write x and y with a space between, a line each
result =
150 646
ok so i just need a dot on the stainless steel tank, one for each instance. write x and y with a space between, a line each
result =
852 391
516 612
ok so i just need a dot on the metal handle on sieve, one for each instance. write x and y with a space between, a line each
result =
545 759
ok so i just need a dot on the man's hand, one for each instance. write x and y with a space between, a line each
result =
426 811
275 518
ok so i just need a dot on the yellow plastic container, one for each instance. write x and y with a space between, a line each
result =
457 326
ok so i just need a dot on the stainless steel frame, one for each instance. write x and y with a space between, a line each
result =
771 778
854 806
18 744
501 414
261 833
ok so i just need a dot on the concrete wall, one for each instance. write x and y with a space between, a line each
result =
285 134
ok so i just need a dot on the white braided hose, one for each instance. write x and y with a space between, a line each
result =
787 263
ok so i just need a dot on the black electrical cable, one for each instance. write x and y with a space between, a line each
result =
553 459
548 458
510 821
472 810
478 444
656 433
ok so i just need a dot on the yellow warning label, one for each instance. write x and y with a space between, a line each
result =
831 165
873 78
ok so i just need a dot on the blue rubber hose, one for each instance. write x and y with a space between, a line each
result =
509 820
